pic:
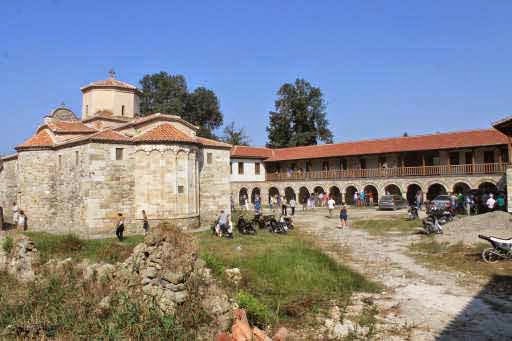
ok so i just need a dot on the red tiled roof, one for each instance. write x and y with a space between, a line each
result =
164 132
69 127
109 83
109 135
251 152
212 143
40 140
461 139
157 116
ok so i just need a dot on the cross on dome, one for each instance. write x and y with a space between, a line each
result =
111 74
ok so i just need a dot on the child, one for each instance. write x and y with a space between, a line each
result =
343 216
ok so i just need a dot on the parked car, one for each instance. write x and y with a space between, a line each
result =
442 201
392 202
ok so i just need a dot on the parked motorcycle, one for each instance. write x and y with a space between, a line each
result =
501 249
245 227
225 231
412 213
431 224
275 226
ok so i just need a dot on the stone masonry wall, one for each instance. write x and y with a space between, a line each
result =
215 185
8 187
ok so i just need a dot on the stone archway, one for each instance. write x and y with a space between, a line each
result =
256 192
412 192
272 192
303 195
242 195
349 194
488 187
335 193
372 190
434 190
393 189
461 187
318 189
289 193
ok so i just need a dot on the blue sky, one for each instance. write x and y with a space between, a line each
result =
384 67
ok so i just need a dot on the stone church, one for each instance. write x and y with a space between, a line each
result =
75 175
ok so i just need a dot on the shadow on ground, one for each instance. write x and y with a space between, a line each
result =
487 317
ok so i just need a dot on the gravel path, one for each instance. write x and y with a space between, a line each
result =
428 304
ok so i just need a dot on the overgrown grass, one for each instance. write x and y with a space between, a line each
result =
7 244
384 226
61 306
284 276
108 250
458 257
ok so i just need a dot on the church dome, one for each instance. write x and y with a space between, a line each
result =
109 83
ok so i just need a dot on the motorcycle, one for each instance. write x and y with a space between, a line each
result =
222 230
501 249
245 227
275 226
412 214
431 224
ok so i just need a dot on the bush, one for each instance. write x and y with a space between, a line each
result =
7 244
257 313
214 264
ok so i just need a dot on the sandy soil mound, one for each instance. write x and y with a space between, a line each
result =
467 229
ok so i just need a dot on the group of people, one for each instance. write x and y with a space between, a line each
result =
120 225
19 218
364 198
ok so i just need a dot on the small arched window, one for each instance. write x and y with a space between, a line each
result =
122 110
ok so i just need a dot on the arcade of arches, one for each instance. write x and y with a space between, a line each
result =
343 191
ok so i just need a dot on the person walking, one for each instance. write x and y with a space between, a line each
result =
343 216
284 208
120 227
293 203
145 222
330 206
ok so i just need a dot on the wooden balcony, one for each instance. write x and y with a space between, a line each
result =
398 172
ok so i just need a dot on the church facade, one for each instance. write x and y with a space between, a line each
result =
74 175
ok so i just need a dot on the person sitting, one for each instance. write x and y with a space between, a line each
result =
224 225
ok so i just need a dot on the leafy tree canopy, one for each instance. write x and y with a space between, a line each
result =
299 118
235 136
168 94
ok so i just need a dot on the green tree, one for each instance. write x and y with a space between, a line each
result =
235 136
202 109
168 94
299 118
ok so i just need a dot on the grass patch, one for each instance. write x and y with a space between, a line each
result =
7 244
284 276
108 250
384 226
458 257
64 308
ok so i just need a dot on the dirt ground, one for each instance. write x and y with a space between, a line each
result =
421 303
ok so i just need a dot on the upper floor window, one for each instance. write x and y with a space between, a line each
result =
87 109
344 164
257 168
231 168
119 153
489 156
362 163
122 110
309 166
240 168
454 158
209 158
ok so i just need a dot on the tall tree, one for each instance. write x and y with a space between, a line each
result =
235 136
202 109
168 94
299 118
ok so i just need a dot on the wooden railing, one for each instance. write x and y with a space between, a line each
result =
469 169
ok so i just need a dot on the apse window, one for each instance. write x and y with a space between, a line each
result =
181 189
209 158
119 153
122 110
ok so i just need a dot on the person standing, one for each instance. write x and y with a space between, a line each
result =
120 227
293 203
257 205
22 221
491 202
232 202
330 206
370 199
145 223
321 198
356 199
362 198
284 207
15 213
343 216
246 203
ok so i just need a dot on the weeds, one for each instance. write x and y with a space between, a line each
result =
7 244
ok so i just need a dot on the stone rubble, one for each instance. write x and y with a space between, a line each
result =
21 260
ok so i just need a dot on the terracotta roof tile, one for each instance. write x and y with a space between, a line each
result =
69 127
212 143
109 83
39 140
251 152
461 139
164 132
